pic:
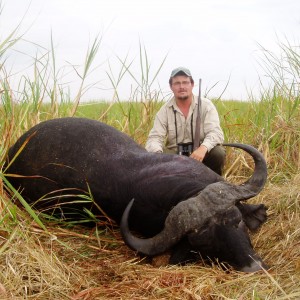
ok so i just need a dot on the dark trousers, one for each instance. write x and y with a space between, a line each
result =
215 159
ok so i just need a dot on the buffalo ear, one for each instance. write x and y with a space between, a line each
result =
254 215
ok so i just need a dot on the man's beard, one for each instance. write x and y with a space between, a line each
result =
183 97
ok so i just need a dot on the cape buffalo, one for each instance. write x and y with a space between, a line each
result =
179 204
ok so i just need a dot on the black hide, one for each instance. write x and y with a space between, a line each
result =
78 153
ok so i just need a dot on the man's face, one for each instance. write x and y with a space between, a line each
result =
182 87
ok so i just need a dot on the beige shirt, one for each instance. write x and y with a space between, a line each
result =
162 137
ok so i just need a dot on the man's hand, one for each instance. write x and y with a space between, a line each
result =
199 153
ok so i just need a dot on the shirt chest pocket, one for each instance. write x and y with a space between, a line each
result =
171 131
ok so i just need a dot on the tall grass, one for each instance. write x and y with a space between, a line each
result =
281 100
143 101
47 261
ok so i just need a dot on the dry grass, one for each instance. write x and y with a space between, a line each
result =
80 263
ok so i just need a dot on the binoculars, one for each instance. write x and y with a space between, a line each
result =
185 149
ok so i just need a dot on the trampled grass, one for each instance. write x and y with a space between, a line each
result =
62 261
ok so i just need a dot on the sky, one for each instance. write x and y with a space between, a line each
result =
218 40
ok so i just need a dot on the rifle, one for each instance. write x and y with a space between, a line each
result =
197 131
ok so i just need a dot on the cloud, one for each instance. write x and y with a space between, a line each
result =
214 38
